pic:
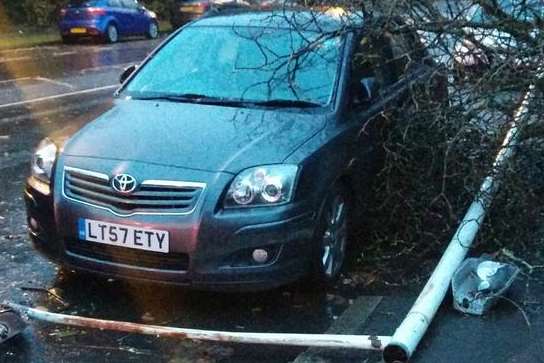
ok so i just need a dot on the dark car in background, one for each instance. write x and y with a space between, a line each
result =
106 19
183 11
486 46
277 4
232 158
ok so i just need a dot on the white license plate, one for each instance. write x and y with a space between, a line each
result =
123 236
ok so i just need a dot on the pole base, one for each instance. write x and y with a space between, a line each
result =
394 353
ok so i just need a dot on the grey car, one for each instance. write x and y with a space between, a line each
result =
233 155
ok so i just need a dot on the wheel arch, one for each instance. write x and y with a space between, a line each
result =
112 21
344 181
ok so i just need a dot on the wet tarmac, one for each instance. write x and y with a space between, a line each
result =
54 76
44 74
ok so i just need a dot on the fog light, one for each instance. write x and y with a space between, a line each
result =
260 255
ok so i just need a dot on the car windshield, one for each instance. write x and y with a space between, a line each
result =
526 10
252 64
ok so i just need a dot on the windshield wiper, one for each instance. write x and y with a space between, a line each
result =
200 98
190 98
287 103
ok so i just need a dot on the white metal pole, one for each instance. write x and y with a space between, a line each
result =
409 333
366 342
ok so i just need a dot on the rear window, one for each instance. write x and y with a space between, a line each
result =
82 3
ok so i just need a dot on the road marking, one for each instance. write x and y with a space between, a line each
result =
81 71
54 54
61 54
15 80
82 50
59 83
62 95
15 59
47 113
41 79
22 50
98 68
349 322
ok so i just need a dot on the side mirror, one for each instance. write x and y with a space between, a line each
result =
369 87
127 72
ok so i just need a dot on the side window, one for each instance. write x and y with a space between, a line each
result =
364 60
131 4
370 71
114 3
406 50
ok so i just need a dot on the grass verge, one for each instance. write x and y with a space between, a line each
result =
25 37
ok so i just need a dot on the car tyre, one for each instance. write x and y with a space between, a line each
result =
331 237
112 34
152 30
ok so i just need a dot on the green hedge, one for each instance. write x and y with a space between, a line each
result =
45 12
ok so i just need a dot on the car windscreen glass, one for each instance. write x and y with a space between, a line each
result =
249 63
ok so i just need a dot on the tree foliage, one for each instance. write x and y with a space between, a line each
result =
436 157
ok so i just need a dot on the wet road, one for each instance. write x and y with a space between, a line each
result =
46 90
44 73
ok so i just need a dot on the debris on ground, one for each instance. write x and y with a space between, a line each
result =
148 317
479 282
51 292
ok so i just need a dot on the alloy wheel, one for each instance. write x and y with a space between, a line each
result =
113 34
153 31
334 239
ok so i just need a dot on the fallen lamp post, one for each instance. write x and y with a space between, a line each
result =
367 342
397 348
411 331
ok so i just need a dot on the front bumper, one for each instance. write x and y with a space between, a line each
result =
216 255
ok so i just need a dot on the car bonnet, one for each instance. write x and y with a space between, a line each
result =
204 137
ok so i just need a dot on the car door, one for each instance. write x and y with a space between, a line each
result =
131 16
142 18
370 76
384 68
117 10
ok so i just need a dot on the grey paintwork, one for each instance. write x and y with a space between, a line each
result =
210 144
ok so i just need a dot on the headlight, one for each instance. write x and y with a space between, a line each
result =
43 160
264 185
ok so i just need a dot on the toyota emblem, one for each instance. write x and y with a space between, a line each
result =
124 183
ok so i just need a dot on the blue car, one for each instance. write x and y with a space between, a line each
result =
106 19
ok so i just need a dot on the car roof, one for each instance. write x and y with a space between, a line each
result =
305 20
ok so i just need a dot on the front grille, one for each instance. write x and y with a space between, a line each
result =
131 257
154 196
